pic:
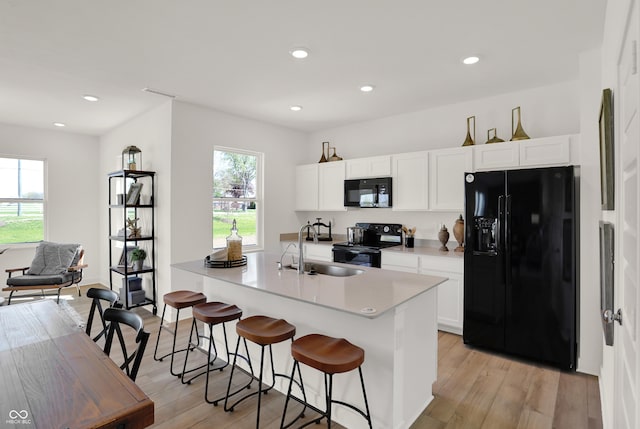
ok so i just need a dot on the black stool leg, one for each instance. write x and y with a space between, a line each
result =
296 365
173 346
364 393
328 388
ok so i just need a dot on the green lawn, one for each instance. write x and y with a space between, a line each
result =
222 221
26 228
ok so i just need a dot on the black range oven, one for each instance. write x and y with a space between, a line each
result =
376 236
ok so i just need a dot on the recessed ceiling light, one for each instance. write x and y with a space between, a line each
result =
471 60
296 108
90 97
367 88
299 53
58 124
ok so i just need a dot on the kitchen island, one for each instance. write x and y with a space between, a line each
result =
391 315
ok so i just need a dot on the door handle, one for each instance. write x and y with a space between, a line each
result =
609 316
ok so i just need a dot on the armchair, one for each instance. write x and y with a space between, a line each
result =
55 266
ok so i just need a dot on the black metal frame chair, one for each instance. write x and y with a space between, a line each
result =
98 295
116 317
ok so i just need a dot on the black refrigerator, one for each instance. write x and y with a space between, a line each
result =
520 263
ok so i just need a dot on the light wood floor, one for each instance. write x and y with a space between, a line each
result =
475 389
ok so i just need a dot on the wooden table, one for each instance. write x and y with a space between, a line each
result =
53 376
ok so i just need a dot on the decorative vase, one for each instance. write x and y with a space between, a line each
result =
443 236
137 265
334 157
458 233
324 158
519 133
470 141
409 242
495 138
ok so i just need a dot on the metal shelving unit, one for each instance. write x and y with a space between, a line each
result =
121 210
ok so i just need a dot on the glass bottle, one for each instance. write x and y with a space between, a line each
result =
234 244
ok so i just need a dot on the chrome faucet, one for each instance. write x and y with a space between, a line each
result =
308 227
284 253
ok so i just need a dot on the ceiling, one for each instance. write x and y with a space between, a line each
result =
233 56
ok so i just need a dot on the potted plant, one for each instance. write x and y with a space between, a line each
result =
138 255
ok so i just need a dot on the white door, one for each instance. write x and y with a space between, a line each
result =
627 355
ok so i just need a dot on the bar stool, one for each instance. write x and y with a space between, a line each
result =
178 299
331 356
264 331
209 313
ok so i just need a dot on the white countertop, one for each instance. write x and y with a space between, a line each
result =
369 294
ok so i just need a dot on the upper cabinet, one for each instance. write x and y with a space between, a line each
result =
446 178
320 187
331 186
307 187
543 152
411 181
428 180
375 166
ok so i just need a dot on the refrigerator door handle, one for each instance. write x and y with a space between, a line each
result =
507 238
499 224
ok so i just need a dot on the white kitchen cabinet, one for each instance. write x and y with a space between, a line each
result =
411 181
541 152
496 156
450 293
375 166
318 252
397 261
331 186
446 178
320 187
307 187
545 152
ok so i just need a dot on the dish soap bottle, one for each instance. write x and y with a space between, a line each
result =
234 244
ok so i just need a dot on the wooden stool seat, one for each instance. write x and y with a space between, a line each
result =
214 313
327 354
184 298
264 330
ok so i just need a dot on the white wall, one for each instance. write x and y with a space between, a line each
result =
72 200
196 130
590 358
151 132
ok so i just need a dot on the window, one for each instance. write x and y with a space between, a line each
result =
21 200
237 194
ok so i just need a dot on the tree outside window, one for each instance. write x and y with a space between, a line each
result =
21 200
236 195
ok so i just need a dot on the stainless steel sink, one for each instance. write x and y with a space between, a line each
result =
313 268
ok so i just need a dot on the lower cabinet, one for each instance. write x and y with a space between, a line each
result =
318 252
450 293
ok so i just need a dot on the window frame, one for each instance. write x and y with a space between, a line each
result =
259 192
44 201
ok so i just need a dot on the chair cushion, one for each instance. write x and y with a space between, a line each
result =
53 258
30 280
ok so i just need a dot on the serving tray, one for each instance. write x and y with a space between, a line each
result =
224 264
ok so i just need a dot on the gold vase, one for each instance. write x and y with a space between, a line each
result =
469 141
495 138
334 157
519 133
324 158
458 233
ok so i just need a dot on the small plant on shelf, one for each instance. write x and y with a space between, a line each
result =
138 255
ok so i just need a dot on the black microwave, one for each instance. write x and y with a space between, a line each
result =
368 192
